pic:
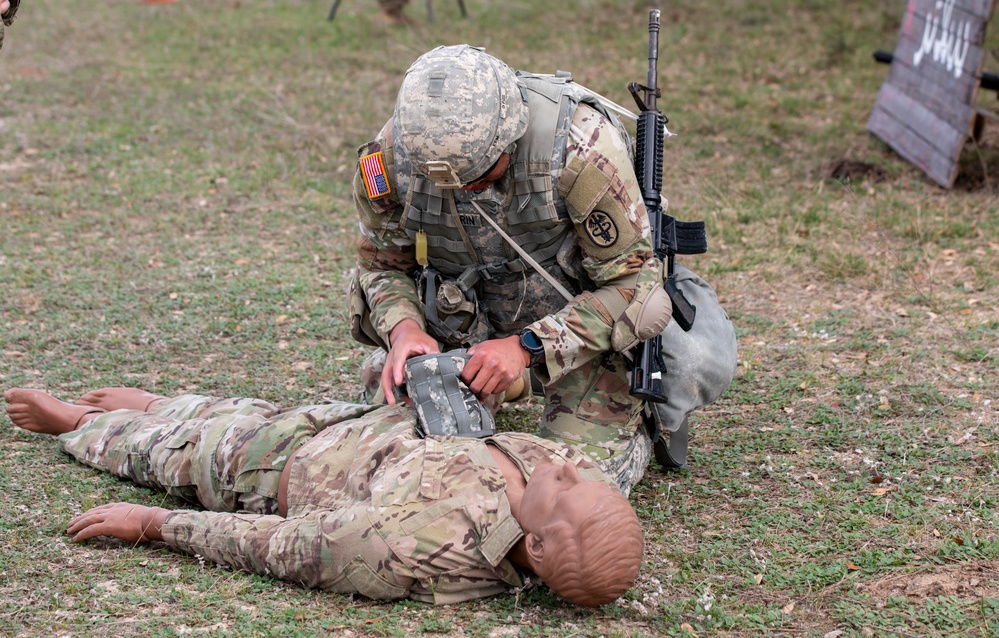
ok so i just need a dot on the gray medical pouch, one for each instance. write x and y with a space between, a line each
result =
444 404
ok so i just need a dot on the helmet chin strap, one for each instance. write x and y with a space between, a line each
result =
442 174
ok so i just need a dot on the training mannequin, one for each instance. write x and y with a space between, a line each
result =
347 497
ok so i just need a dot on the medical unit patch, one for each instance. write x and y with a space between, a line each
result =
375 180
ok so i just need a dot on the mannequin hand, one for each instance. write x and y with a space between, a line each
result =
494 365
408 340
134 523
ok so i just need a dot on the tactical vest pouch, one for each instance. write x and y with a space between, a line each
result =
359 313
450 306
445 406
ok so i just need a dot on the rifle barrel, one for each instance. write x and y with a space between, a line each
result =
651 80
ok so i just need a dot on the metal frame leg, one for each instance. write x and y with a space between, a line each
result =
332 14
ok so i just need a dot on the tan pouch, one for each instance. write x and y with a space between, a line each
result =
359 313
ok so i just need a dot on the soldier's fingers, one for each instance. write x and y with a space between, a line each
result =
471 370
498 383
500 386
475 374
485 382
399 370
387 382
488 388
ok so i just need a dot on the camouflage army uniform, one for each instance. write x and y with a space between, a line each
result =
8 18
372 508
592 195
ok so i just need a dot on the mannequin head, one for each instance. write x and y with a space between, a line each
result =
581 537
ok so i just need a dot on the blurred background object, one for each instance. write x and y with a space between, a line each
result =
392 11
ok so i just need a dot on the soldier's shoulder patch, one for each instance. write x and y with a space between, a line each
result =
601 229
375 179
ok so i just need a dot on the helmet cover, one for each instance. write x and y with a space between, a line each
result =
458 109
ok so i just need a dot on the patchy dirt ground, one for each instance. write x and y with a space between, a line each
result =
969 581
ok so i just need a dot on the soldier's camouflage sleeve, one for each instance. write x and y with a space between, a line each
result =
333 550
575 335
605 203
385 253
392 298
601 191
7 18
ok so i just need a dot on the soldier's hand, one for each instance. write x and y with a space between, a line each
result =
7 10
127 521
407 340
494 365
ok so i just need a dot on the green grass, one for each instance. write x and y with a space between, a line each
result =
177 216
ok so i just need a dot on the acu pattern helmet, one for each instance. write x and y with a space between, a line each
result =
458 109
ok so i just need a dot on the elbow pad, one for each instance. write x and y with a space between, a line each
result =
649 312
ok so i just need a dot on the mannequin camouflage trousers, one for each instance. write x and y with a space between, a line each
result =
224 454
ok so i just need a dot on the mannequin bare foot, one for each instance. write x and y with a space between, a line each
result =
37 411
120 399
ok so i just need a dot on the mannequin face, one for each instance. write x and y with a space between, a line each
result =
556 493
581 537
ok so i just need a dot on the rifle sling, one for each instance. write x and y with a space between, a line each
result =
691 238
688 238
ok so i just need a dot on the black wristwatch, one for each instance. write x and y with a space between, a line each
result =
530 342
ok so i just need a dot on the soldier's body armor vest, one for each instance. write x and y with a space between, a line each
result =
524 202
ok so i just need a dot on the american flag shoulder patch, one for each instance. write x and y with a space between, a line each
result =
375 179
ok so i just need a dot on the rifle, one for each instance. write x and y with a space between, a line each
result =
669 236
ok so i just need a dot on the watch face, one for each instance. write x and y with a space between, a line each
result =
530 341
